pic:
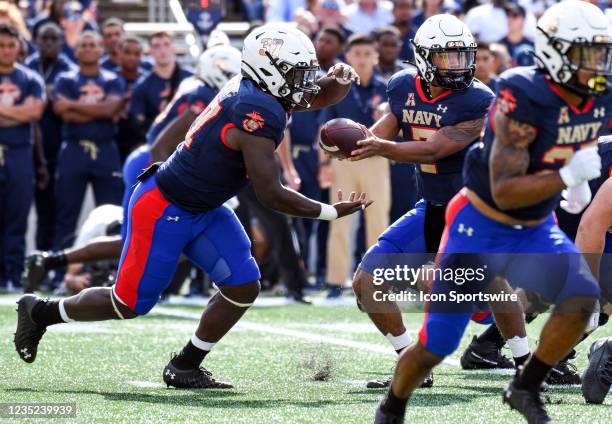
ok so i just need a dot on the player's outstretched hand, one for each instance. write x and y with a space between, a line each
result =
369 146
347 207
585 165
344 74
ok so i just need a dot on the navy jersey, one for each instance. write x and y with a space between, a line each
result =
192 94
145 66
420 117
50 123
527 95
204 171
359 104
89 89
151 95
15 87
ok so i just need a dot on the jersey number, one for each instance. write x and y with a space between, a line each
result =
424 134
211 111
562 154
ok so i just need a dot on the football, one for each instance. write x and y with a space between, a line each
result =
339 137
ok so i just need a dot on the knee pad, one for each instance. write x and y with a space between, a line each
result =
442 333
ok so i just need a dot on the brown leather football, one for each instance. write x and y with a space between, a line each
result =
339 137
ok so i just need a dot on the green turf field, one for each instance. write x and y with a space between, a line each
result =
112 371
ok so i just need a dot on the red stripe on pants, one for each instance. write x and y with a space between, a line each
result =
454 206
145 213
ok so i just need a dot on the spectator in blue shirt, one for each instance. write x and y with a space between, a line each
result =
520 48
283 10
22 101
69 16
130 60
402 14
48 63
87 99
429 8
152 92
389 45
485 66
112 34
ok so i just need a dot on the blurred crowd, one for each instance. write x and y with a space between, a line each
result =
124 84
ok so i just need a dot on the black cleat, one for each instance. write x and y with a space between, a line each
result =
484 356
28 333
381 384
529 404
564 373
387 418
597 378
199 378
34 272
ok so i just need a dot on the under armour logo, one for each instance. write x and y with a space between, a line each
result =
599 112
170 374
25 353
467 230
442 109
172 218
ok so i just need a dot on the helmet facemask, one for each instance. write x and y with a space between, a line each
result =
300 86
451 68
592 57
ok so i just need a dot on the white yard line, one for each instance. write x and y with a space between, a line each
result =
303 335
146 384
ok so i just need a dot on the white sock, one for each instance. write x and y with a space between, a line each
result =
519 346
63 313
201 344
399 342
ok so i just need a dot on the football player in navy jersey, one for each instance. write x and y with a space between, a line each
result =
441 109
177 207
217 66
538 141
22 100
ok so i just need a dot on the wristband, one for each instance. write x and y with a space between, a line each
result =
343 81
328 212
